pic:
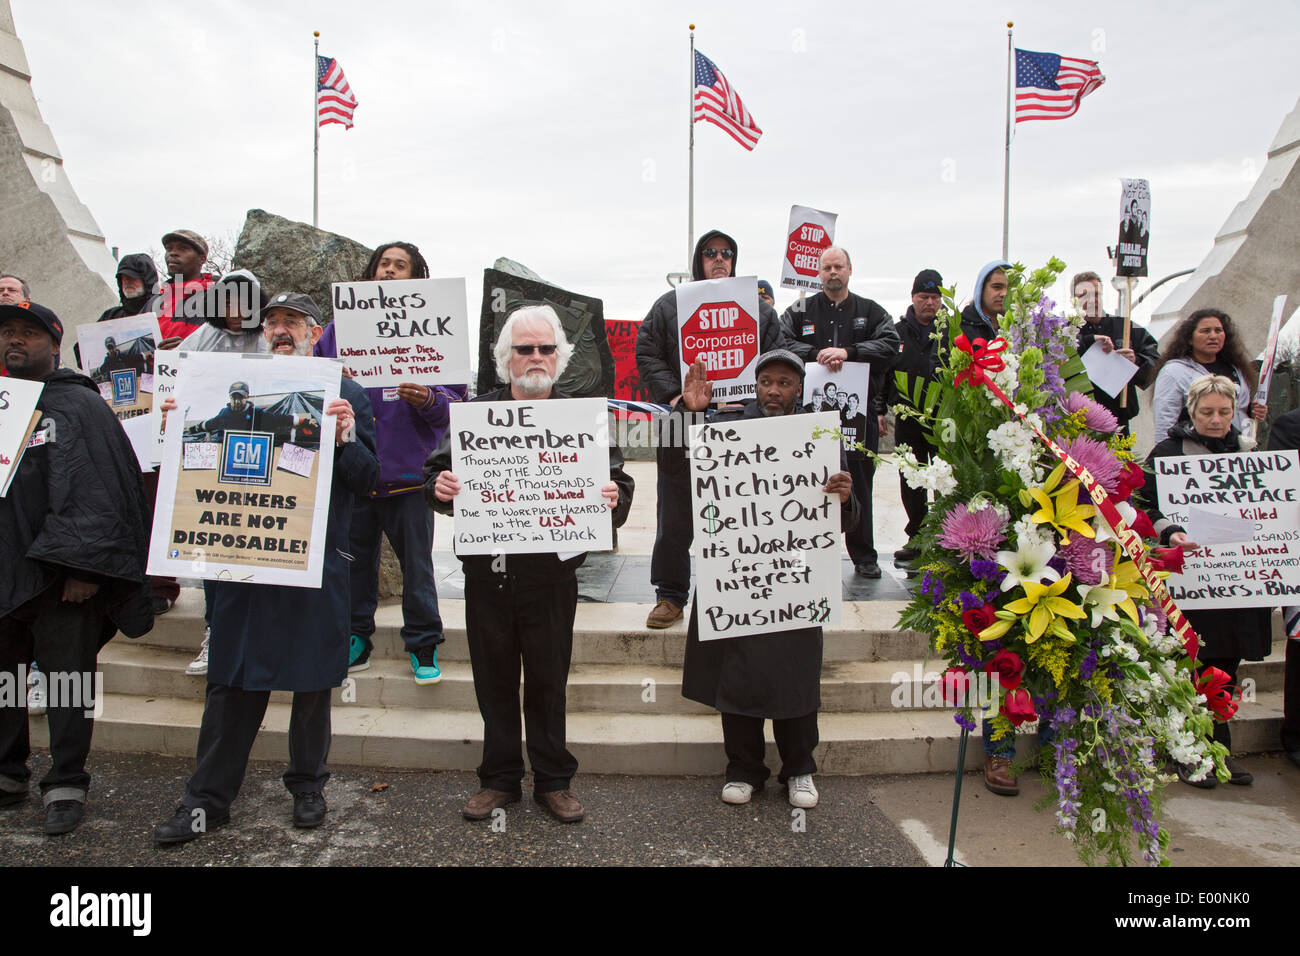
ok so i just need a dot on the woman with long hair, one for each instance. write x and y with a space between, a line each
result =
1204 343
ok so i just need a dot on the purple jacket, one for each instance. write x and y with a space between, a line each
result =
406 435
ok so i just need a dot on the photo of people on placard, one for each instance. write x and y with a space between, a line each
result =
844 393
1134 227
293 417
134 354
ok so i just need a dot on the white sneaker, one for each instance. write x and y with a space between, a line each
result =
35 692
802 792
737 793
199 666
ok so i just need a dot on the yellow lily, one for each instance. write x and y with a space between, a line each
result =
1128 579
1060 509
1045 607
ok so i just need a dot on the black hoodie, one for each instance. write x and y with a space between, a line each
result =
138 266
658 356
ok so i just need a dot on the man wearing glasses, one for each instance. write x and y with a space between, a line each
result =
658 359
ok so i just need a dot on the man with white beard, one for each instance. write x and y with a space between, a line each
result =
520 607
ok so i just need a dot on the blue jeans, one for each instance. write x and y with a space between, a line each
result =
408 523
1006 747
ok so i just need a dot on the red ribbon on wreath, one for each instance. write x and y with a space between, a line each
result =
985 357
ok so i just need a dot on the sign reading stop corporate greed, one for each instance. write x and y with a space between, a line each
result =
531 474
1259 494
718 318
767 536
810 233
408 330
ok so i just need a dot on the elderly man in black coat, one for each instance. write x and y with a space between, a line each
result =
269 637
774 676
72 559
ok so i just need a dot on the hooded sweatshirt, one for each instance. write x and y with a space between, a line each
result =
213 336
975 322
138 266
658 356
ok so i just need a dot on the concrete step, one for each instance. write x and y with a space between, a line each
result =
659 743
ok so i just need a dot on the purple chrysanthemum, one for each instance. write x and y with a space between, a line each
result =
973 534
1087 560
1097 458
1095 417
989 571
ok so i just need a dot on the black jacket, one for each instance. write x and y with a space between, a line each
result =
138 266
530 568
917 360
858 325
77 507
658 354
1145 349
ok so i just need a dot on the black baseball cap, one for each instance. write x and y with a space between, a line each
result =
38 314
927 280
297 302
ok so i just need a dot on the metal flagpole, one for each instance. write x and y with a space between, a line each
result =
690 178
315 124
1006 159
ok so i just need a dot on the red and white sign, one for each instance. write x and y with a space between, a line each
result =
718 319
810 233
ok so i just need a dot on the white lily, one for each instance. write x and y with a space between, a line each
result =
1098 602
1028 562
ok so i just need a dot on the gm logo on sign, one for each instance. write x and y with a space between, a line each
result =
246 458
124 386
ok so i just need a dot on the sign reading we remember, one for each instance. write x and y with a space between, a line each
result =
18 418
244 489
767 536
1258 490
810 233
718 318
407 330
531 474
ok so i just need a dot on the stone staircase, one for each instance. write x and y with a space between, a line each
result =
626 712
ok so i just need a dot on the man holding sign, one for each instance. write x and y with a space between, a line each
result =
774 675
520 607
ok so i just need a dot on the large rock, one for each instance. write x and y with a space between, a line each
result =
290 256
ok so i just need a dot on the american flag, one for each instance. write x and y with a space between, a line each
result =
717 102
334 100
1050 86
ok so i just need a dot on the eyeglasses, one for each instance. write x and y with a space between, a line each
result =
714 253
528 349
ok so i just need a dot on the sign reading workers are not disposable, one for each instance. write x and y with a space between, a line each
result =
403 330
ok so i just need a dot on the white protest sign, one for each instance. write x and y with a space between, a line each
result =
844 393
531 474
1270 351
164 384
226 509
18 418
119 355
1260 487
718 318
403 330
1109 371
809 233
139 432
766 535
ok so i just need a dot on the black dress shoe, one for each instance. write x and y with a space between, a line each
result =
62 816
906 554
868 569
1209 782
1240 775
187 824
308 809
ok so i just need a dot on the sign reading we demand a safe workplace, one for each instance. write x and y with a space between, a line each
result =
767 536
403 330
718 319
1243 509
531 474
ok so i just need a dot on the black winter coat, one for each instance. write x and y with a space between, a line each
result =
1145 348
858 325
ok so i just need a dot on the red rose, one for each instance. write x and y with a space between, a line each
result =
1167 559
979 618
1142 524
1130 480
1018 707
954 686
1215 685
1007 665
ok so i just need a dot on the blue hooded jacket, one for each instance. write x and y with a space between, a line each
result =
975 323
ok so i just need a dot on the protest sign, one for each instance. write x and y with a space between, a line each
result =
767 536
810 233
244 488
1262 488
1269 358
164 384
118 355
1108 371
531 474
718 318
1134 227
844 393
18 418
621 335
407 330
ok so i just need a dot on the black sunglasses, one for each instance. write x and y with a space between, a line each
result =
714 253
528 349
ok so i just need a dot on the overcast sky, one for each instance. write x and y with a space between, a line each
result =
556 134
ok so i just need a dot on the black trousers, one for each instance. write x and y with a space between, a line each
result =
916 501
509 621
670 562
861 542
1291 698
63 639
796 738
1229 666
231 718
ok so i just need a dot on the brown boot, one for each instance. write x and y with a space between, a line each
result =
998 776
561 804
665 613
481 805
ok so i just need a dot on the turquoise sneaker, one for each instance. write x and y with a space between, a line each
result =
358 654
425 666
